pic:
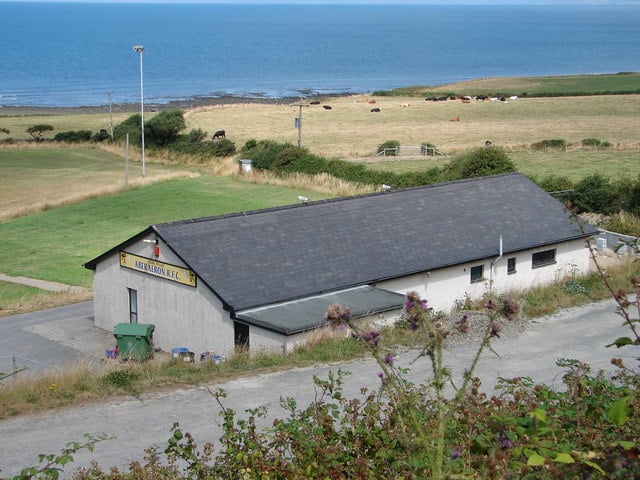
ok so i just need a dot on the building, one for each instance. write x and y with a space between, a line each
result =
265 278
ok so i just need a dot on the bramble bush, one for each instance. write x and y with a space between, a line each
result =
443 428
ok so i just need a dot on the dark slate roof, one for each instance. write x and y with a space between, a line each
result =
268 256
308 313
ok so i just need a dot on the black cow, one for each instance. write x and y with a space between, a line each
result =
327 107
375 110
219 134
314 102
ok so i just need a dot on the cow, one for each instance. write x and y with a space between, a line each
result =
405 105
375 110
466 100
314 102
372 102
455 119
219 134
327 107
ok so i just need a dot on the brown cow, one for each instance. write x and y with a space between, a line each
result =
455 119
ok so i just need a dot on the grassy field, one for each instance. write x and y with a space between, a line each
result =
41 178
350 129
18 124
558 85
574 164
54 244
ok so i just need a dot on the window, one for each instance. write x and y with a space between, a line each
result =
133 305
241 336
511 265
546 257
476 273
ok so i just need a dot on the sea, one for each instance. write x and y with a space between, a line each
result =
81 54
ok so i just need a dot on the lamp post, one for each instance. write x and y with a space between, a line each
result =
140 49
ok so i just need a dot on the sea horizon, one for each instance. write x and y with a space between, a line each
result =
64 54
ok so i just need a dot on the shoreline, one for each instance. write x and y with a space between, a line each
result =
186 104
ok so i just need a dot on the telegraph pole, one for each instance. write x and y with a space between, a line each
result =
298 120
110 116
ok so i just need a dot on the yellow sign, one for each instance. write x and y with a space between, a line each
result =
158 269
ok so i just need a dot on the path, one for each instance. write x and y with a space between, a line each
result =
145 421
43 284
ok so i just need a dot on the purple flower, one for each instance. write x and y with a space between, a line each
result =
506 443
388 358
456 453
381 376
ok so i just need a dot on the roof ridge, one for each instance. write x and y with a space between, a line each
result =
329 200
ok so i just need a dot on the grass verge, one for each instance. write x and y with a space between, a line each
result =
84 383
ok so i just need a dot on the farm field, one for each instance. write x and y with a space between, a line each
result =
574 164
350 129
96 212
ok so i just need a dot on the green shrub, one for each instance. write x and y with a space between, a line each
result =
556 143
75 136
100 136
427 148
478 162
390 147
130 126
555 183
593 194
223 148
196 136
287 156
590 142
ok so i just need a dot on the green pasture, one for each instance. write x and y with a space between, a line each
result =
624 82
54 244
35 178
61 122
574 164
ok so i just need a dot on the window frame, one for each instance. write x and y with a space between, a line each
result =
476 278
511 265
543 258
133 305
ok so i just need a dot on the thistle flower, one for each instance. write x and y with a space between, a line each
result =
495 330
388 358
463 324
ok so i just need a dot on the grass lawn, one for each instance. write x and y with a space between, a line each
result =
54 244
37 178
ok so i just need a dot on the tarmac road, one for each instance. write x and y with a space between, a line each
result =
137 423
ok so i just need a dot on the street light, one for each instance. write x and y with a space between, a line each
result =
140 49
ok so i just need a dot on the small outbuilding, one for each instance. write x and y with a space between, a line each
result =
264 279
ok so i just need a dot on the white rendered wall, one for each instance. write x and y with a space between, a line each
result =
261 340
442 288
183 316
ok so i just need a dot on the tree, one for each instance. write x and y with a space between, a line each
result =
37 130
164 127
